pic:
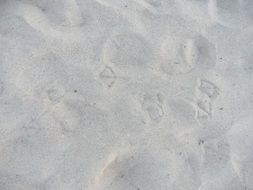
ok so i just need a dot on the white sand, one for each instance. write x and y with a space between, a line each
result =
126 95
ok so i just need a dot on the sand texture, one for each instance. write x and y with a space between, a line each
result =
126 94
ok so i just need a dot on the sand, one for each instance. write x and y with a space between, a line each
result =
126 95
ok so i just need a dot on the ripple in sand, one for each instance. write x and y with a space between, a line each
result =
158 7
126 50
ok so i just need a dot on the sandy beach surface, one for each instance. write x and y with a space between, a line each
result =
126 95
